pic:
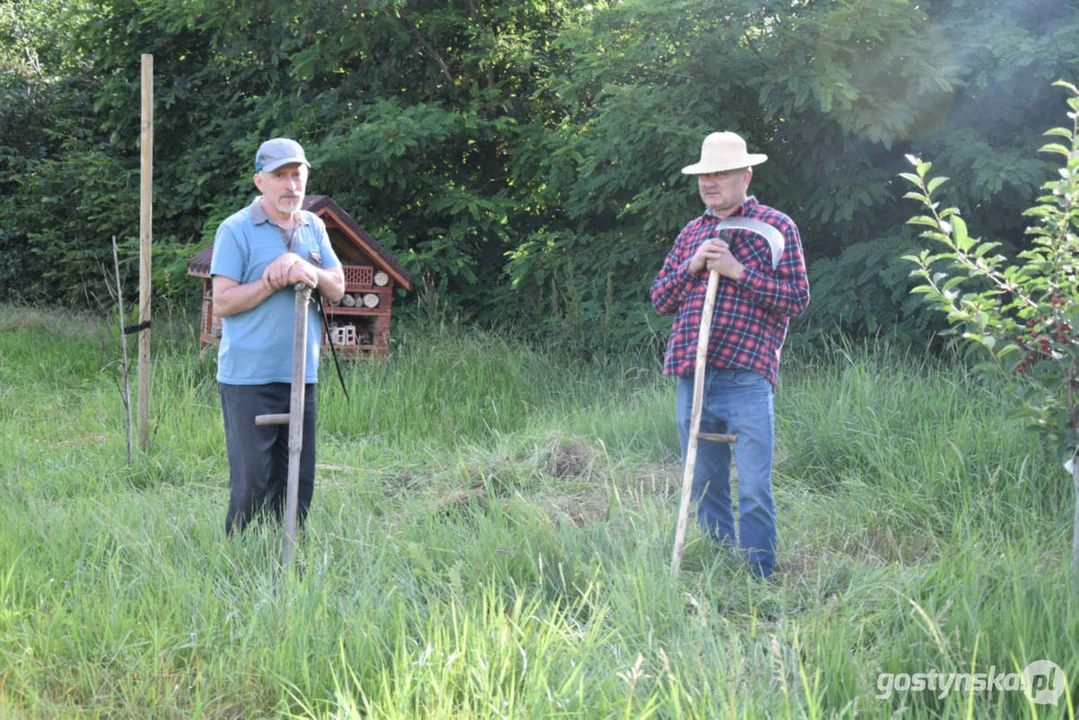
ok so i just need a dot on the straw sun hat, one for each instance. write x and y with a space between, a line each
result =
723 151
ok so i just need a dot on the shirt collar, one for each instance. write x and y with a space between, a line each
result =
744 209
259 216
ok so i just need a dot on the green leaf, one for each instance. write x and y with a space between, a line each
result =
963 241
1059 131
1055 148
939 237
935 183
984 248
1008 349
953 282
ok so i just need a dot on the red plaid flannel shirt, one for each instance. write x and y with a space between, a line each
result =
751 314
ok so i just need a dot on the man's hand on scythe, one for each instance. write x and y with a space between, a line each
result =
715 254
290 269
303 272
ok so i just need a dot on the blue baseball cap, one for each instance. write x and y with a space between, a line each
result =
274 153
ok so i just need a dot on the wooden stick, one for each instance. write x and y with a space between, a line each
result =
128 430
1075 525
717 437
275 419
295 420
146 201
695 420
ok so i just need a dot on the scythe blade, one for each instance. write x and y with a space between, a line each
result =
769 233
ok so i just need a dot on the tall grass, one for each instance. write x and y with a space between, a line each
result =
490 537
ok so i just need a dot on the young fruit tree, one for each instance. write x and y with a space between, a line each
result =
1021 316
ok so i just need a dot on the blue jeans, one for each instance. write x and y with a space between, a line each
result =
737 402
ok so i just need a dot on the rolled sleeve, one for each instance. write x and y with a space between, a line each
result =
228 258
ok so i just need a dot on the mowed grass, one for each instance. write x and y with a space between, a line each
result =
491 536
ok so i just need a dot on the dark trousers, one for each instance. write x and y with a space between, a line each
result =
258 456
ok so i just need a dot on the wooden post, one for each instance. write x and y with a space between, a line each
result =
695 420
146 202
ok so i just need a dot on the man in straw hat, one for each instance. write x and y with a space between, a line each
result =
757 295
260 254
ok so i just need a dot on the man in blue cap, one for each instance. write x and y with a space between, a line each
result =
260 254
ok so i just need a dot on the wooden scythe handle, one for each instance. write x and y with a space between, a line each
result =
695 419
294 418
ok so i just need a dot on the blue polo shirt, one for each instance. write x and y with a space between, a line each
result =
256 345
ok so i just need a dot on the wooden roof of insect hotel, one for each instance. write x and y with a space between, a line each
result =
353 244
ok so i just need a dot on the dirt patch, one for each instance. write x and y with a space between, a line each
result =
569 458
578 509
460 499
655 480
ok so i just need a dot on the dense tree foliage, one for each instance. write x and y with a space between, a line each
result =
522 157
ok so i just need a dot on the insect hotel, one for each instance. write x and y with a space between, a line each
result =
360 323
